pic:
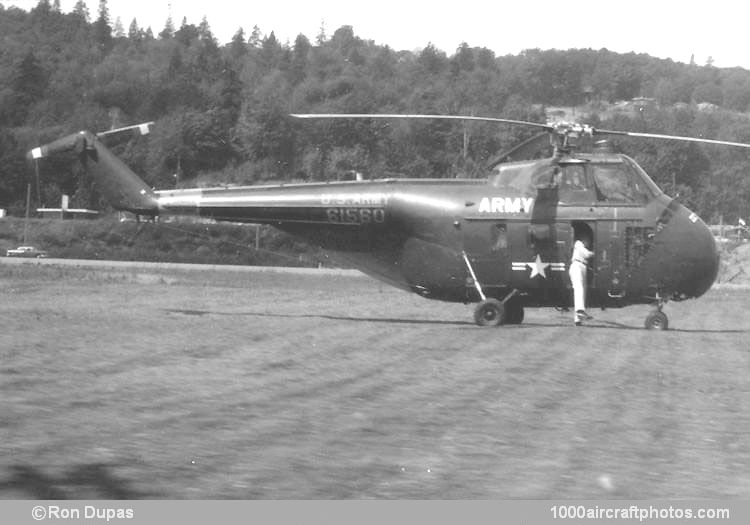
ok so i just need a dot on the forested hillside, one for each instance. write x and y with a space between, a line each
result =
221 110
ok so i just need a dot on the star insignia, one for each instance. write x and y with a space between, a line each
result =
538 267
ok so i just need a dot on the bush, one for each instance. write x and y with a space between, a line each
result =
107 238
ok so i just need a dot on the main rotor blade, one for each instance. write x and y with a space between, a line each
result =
546 127
670 137
561 128
523 151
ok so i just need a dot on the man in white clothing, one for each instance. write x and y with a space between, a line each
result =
578 270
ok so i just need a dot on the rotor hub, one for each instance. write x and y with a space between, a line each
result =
568 135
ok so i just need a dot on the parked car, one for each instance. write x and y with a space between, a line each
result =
26 251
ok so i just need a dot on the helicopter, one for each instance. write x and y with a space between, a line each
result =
503 241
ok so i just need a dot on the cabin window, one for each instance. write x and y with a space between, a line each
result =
617 184
499 238
539 234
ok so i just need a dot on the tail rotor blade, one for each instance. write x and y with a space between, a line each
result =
142 129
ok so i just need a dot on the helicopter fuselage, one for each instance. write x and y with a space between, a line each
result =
507 237
504 241
513 231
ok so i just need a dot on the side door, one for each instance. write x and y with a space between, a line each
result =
487 245
542 265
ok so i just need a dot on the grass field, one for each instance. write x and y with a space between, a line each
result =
198 385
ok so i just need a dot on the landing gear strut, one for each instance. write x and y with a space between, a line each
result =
657 320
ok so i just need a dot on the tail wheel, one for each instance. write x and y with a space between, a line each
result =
657 321
489 312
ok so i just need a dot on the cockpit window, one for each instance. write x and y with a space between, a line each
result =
575 186
643 181
618 184
573 178
577 182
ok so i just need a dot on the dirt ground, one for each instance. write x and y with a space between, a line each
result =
272 386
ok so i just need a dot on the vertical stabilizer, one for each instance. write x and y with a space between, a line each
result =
118 184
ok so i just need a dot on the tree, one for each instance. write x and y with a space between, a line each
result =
255 36
82 11
187 33
300 53
134 33
321 37
463 60
27 87
43 8
13 169
263 131
237 47
432 60
168 31
709 92
102 28
231 104
118 29
736 87
191 141
204 31
270 52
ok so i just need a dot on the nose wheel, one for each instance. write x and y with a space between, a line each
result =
657 320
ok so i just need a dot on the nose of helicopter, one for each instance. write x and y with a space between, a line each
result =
695 258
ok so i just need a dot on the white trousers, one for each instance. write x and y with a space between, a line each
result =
577 274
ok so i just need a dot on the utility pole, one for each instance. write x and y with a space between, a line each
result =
466 141
26 220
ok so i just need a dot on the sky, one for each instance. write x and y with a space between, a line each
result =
662 28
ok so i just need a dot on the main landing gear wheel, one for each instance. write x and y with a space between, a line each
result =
657 320
489 312
513 312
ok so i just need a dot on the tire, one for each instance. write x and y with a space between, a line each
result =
489 312
657 321
514 312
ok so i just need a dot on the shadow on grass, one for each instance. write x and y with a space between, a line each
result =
597 324
613 324
90 481
322 316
